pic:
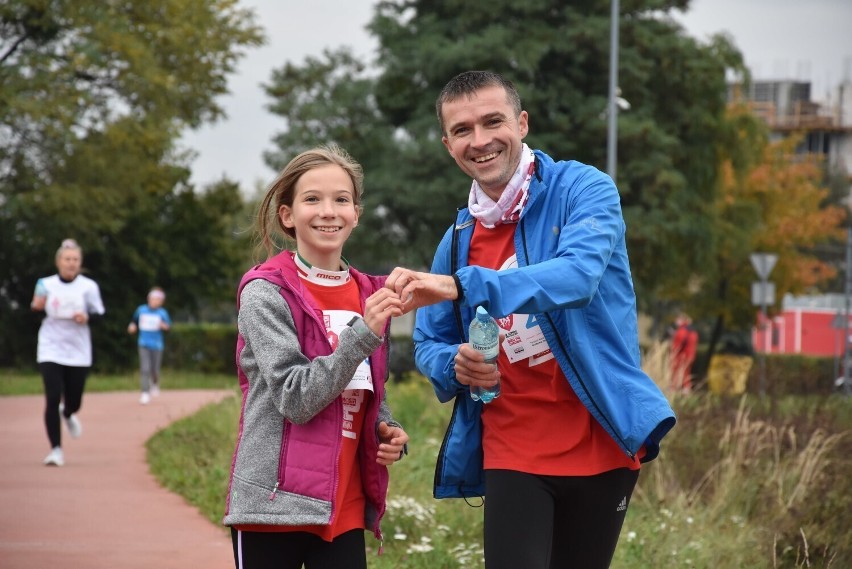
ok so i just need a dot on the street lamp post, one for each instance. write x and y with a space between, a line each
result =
612 131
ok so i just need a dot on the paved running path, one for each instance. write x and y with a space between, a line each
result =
103 509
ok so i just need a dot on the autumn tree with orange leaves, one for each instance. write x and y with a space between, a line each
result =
770 200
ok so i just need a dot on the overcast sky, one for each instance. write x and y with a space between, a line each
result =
808 40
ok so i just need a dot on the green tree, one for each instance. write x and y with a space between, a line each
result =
332 98
557 53
94 96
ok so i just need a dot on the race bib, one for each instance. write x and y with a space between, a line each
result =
523 336
65 306
524 339
150 322
335 321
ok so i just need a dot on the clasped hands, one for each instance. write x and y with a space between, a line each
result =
406 290
415 289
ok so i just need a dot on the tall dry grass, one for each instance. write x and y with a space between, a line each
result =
732 496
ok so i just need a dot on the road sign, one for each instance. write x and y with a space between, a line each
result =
763 263
762 293
837 322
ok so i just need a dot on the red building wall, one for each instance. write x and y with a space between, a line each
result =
800 331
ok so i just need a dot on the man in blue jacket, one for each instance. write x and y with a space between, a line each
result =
541 246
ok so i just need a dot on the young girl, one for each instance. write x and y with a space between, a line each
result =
70 300
309 472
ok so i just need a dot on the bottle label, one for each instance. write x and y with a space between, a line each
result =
490 352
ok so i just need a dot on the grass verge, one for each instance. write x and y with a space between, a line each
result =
13 382
739 483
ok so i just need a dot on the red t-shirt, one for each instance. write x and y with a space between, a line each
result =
537 425
338 304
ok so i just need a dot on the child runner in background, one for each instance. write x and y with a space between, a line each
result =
150 320
309 472
70 301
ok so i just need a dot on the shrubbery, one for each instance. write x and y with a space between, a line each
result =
208 348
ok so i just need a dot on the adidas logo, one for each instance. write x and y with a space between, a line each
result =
623 505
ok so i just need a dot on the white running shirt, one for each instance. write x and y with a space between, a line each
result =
60 339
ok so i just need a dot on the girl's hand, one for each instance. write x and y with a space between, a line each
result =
391 444
382 304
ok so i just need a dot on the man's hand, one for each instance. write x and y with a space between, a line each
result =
471 369
420 289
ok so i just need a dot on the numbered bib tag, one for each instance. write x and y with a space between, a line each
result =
335 322
61 305
150 322
524 339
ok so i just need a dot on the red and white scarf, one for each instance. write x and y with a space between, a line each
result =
513 199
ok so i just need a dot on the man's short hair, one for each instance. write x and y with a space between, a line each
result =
467 83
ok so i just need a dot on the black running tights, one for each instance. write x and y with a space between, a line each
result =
61 383
290 550
554 522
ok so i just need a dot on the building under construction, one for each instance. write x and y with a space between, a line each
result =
787 108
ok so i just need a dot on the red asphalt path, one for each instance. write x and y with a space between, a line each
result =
103 509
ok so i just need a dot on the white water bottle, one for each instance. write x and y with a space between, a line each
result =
485 338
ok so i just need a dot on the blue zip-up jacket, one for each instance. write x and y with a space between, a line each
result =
574 275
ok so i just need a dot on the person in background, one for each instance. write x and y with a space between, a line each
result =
70 302
684 348
541 246
309 473
150 320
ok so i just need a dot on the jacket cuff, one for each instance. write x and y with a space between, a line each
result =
459 289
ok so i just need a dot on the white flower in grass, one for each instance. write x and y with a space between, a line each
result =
631 535
465 554
422 547
666 512
689 519
400 536
411 508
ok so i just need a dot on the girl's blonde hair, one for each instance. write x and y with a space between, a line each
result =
283 190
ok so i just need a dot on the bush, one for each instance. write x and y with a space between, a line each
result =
206 348
789 374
